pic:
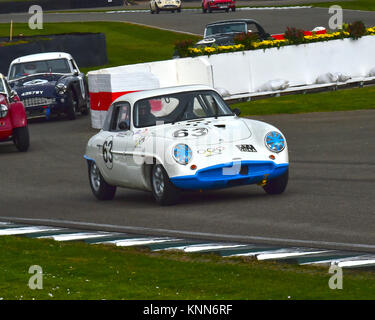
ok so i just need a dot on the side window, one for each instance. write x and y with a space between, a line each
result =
121 113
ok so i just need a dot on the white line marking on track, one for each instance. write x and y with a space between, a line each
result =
287 254
77 236
133 229
26 230
205 247
137 241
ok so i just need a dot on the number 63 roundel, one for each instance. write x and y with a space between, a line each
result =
196 132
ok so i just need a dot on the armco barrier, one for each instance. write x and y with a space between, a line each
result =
242 73
88 49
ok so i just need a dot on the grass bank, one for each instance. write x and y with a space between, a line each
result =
341 100
367 5
126 43
83 271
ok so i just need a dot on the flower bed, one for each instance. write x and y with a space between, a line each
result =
291 37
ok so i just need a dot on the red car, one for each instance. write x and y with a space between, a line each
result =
13 122
210 5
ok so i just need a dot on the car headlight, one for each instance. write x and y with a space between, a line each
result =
274 141
61 88
182 153
3 110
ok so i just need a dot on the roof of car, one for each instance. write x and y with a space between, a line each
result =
231 21
135 96
42 56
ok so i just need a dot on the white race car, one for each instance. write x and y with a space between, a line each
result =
165 5
183 138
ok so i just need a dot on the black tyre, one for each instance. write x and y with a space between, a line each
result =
234 9
179 10
21 138
277 185
72 106
227 10
163 190
100 188
204 10
85 110
157 9
209 9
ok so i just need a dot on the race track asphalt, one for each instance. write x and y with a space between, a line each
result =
330 197
193 21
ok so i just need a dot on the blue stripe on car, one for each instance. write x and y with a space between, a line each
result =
230 174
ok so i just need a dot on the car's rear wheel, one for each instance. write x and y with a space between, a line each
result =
100 188
209 9
277 185
21 138
163 190
204 10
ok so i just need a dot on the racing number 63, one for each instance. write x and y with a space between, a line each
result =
197 132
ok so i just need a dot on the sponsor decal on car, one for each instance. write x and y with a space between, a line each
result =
211 151
31 93
246 148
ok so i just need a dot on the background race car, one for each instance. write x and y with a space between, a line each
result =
210 5
49 84
13 122
165 5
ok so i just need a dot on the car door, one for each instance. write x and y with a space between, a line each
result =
117 145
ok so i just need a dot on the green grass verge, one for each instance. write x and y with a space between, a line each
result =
126 43
341 100
83 271
368 5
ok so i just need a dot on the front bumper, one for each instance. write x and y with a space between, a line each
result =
231 174
46 108
221 6
169 7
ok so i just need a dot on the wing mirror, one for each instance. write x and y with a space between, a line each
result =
236 111
75 72
123 125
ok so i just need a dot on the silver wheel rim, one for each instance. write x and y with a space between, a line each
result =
95 177
158 181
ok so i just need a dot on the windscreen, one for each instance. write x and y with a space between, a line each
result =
179 107
20 70
225 28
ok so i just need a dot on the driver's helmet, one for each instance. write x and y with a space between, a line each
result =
30 68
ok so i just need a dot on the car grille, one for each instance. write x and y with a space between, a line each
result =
38 101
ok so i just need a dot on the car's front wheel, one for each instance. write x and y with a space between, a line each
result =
100 188
21 138
277 185
72 106
163 190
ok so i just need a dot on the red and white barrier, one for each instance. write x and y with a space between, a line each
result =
238 73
